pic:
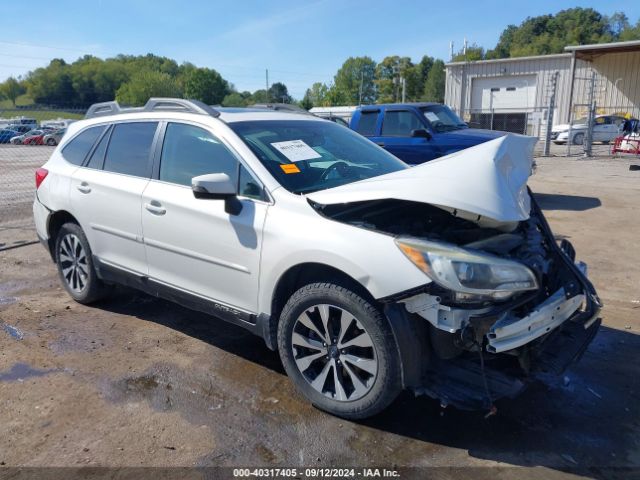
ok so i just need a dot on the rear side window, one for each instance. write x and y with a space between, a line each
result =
76 150
129 148
189 151
367 124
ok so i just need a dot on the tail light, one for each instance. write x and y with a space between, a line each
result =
41 174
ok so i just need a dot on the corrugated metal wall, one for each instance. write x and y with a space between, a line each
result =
618 89
460 76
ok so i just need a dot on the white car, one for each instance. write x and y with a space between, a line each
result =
366 275
605 129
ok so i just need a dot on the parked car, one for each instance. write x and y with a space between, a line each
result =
20 129
34 139
605 129
6 135
366 275
18 139
417 132
53 138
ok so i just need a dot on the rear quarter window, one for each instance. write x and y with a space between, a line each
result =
367 124
77 149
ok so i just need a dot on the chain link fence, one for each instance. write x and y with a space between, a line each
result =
590 129
27 139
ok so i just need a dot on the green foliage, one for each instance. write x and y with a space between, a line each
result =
11 89
145 85
318 95
278 93
306 102
473 52
434 86
546 34
354 73
388 75
204 84
235 99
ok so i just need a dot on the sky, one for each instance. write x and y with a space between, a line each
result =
299 42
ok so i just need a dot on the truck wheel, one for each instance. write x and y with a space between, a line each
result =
75 265
339 350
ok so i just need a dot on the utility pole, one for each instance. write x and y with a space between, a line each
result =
266 92
361 85
404 88
451 50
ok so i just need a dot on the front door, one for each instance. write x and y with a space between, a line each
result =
397 126
194 244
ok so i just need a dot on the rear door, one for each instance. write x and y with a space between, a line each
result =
193 244
397 126
106 193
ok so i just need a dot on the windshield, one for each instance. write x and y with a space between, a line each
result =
442 119
306 156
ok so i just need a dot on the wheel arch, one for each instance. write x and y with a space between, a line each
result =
55 222
294 278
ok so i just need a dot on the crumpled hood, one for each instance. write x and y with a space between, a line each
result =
488 180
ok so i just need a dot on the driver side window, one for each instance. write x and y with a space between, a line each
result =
189 151
400 123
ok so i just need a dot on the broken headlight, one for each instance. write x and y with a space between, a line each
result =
468 271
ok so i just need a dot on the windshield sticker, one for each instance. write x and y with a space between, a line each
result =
296 150
290 168
432 117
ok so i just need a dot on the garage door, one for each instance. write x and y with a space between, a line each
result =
507 94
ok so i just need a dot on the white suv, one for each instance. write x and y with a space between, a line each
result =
367 276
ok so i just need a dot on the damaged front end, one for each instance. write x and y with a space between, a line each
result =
507 304
503 302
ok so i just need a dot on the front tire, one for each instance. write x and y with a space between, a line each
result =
578 139
339 350
51 142
75 265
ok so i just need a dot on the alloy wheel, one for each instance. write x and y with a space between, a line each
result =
73 262
334 353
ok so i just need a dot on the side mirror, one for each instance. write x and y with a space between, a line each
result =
421 133
217 186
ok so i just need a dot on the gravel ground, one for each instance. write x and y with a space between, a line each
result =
137 381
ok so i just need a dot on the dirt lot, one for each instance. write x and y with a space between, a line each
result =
136 381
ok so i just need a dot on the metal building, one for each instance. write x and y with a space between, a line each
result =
514 94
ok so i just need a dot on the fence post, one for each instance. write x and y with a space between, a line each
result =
551 107
588 142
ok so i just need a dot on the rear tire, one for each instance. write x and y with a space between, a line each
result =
51 142
75 265
339 351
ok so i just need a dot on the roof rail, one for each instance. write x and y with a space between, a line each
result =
153 105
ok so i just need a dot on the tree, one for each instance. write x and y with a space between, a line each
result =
318 95
434 86
234 99
472 53
278 93
306 101
206 85
546 34
147 84
11 89
354 73
388 75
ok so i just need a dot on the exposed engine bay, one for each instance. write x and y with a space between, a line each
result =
487 345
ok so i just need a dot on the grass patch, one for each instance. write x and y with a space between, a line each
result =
22 101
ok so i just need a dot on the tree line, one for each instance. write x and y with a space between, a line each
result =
132 80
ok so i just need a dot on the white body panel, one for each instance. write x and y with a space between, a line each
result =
107 205
198 247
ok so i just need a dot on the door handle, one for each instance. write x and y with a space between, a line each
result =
84 187
380 144
155 207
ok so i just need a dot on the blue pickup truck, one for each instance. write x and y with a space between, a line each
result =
417 132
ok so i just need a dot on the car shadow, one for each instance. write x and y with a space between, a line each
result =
576 203
587 421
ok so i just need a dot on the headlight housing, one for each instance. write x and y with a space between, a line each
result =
468 271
